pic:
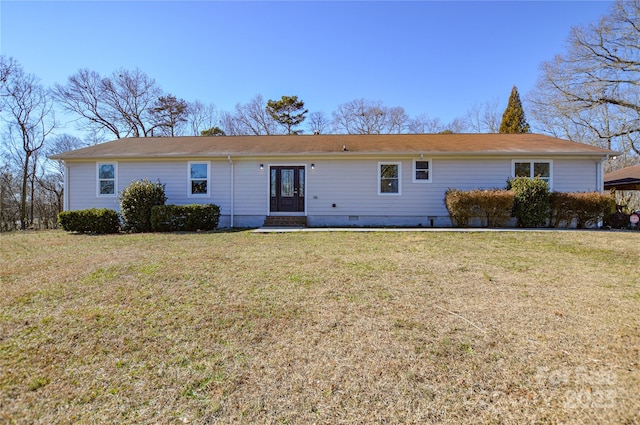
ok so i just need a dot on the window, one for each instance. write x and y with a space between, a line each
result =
107 179
533 169
389 178
198 179
422 171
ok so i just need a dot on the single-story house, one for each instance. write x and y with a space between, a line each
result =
327 180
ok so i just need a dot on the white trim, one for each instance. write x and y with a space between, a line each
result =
430 170
532 162
115 179
198 195
378 181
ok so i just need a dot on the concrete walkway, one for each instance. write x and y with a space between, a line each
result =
410 229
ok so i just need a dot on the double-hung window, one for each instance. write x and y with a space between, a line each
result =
107 174
422 171
389 178
199 178
533 169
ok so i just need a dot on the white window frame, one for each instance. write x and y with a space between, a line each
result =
379 181
115 179
532 163
430 170
189 179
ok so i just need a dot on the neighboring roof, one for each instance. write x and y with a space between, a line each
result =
626 178
427 144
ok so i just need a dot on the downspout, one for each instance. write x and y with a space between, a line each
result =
600 174
65 188
231 215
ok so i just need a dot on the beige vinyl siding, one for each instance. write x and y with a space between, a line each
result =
354 188
173 174
250 187
82 190
575 175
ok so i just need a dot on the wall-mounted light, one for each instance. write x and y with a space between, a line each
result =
261 166
313 166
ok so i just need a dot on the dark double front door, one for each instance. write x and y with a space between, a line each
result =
287 187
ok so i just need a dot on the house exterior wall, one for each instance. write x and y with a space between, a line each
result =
339 191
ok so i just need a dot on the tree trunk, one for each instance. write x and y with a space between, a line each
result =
23 194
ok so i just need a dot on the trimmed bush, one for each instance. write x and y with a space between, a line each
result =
531 204
460 209
585 208
491 206
188 218
136 202
93 220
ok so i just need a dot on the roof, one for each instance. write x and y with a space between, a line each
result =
625 178
335 144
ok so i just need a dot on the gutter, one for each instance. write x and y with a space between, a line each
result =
231 215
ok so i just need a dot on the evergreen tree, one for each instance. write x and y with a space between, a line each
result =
513 120
288 111
213 131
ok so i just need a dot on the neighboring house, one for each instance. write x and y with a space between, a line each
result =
626 182
329 180
627 178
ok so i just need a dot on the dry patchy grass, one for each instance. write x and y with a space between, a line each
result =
320 328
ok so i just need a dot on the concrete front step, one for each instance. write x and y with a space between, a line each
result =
285 221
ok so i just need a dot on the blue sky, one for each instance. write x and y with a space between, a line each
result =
438 58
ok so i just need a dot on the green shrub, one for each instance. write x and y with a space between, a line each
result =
93 220
136 202
585 208
188 218
491 206
531 204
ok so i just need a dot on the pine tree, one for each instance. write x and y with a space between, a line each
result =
288 111
513 119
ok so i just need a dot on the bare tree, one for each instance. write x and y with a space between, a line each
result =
27 110
484 118
423 124
201 117
250 119
318 123
361 116
591 93
457 125
7 66
118 105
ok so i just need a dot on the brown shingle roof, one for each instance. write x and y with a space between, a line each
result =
427 144
625 178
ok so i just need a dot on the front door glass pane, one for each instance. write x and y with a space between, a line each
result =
273 182
301 182
286 184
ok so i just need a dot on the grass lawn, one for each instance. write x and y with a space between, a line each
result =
302 328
